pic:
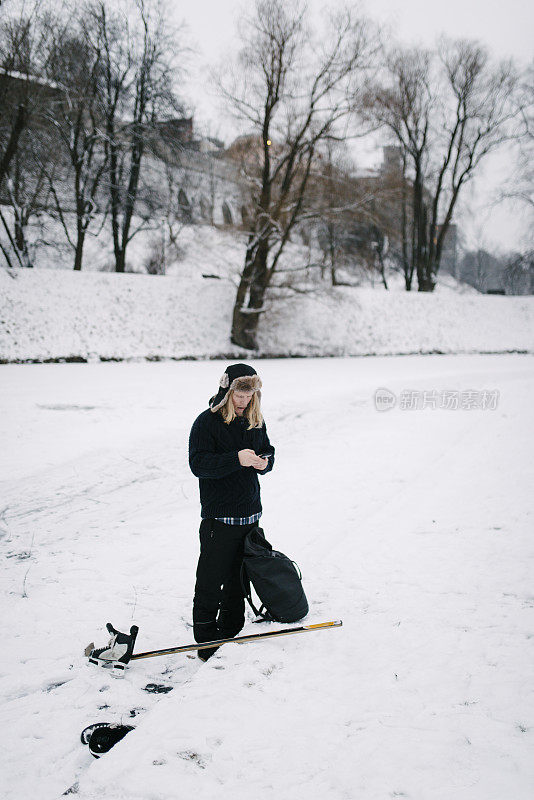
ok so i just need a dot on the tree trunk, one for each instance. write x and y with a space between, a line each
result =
382 268
78 252
20 240
244 328
6 256
80 232
115 198
333 275
254 282
11 241
120 260
11 148
131 194
419 214
19 234
427 282
407 266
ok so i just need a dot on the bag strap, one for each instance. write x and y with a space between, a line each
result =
245 586
247 592
299 573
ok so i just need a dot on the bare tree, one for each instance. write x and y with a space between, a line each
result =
27 186
447 109
26 96
520 187
138 54
76 64
332 196
518 273
17 47
481 269
295 93
350 211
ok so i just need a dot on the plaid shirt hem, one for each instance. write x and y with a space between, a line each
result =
239 520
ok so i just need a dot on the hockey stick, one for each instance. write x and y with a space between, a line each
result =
238 640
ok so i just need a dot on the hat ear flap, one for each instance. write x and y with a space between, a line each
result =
225 381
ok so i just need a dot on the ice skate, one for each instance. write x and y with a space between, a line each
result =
102 736
118 652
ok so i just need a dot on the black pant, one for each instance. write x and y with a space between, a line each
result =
219 605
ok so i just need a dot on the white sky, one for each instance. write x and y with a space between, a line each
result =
506 27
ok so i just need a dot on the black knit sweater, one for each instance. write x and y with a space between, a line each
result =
226 488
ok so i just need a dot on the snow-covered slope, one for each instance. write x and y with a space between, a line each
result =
58 314
415 527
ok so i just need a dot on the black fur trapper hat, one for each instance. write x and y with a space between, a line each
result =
239 378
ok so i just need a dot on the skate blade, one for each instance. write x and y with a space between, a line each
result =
115 668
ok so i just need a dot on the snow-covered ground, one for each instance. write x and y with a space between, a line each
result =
58 314
413 526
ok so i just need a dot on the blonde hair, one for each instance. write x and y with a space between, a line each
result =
252 411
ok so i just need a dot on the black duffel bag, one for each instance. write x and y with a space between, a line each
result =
276 580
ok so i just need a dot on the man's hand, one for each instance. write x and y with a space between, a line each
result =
248 458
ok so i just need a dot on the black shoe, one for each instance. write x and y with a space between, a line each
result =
102 736
206 653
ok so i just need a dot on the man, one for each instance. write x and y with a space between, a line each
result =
228 448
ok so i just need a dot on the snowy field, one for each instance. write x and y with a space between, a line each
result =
58 314
414 526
